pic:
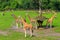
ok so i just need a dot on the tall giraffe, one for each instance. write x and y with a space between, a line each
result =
50 20
16 20
32 21
27 26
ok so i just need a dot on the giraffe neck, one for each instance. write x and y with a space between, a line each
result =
23 21
14 16
53 17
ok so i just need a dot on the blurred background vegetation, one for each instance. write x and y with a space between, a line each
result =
29 4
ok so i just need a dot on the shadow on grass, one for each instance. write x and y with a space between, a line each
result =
44 26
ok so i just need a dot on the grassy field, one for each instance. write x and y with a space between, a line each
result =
7 20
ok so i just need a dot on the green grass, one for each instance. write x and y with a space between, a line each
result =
6 21
20 36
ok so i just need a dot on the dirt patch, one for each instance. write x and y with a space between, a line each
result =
47 32
39 32
5 33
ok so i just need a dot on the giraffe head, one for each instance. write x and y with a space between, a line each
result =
22 20
54 14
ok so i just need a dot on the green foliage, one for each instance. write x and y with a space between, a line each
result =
29 4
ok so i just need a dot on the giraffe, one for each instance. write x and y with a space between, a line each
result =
21 25
50 20
32 21
17 20
27 26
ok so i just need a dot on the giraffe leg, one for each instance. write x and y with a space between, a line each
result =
17 25
47 25
31 33
50 25
21 25
25 33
